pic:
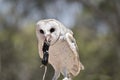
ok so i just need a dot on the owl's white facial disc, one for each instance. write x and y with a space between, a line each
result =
48 30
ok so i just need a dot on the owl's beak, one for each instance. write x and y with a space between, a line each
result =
47 38
47 41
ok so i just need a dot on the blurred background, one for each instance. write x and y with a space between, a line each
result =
96 27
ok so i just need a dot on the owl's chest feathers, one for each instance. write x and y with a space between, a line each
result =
59 48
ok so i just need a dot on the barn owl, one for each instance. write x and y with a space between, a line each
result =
63 55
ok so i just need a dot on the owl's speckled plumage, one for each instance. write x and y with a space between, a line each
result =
63 55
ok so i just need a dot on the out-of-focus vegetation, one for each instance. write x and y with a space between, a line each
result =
96 27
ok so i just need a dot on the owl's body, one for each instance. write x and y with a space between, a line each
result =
63 54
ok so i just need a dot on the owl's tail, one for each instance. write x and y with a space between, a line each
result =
76 69
82 67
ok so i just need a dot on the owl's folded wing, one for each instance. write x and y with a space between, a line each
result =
72 43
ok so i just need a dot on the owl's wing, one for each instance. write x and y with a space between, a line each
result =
67 34
72 43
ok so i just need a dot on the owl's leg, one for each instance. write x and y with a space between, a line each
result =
56 75
70 79
66 74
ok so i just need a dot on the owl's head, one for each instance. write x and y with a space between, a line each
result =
48 30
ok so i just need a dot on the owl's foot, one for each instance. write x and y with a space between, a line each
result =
67 78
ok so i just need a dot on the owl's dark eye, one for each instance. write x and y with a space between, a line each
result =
52 30
41 31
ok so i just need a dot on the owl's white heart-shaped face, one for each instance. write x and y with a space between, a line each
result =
48 30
